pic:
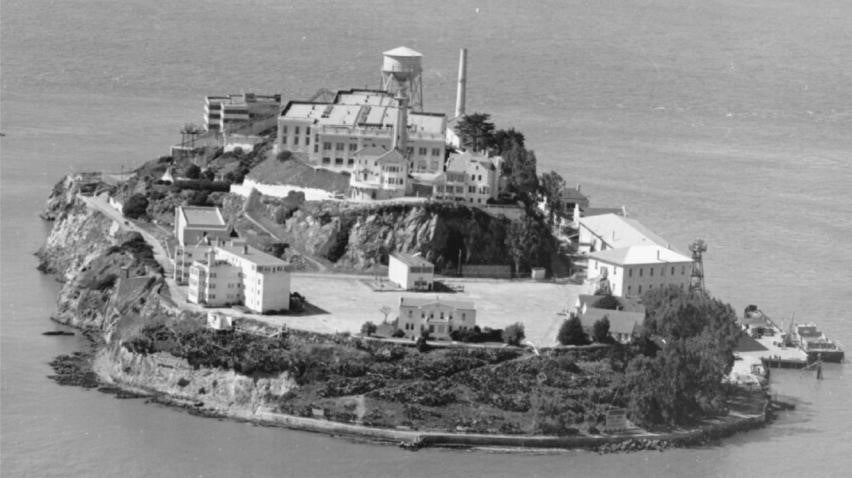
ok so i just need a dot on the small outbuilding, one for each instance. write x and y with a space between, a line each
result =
219 321
410 272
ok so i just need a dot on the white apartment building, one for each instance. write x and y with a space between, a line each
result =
224 113
378 174
234 273
469 178
195 224
332 133
611 231
634 270
410 272
439 317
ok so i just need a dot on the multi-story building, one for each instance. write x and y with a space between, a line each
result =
379 174
634 270
438 317
195 224
611 231
469 178
225 113
332 133
234 273
410 272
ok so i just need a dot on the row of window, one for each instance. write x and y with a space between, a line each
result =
650 287
295 130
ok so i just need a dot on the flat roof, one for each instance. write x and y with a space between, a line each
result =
633 255
423 301
618 231
202 216
411 260
255 256
363 115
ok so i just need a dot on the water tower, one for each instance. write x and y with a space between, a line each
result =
401 71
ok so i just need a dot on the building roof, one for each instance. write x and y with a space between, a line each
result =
402 51
202 216
618 231
294 172
392 156
360 115
460 161
652 254
626 304
422 302
411 260
599 211
573 195
252 255
620 322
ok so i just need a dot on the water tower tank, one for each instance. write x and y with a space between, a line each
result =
403 63
401 71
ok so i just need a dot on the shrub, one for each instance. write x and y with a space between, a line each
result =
422 345
284 156
514 334
398 333
608 302
571 333
368 329
135 206
192 172
600 330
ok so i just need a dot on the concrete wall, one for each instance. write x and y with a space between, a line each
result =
492 271
279 190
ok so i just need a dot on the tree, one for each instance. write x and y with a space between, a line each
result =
551 186
368 329
529 243
600 330
571 332
519 166
192 172
475 131
608 302
514 334
504 140
135 206
386 310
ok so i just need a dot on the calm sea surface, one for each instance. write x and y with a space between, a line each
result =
726 120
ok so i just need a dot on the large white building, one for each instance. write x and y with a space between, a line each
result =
332 133
611 231
410 272
632 271
438 317
234 273
469 178
225 113
379 174
195 224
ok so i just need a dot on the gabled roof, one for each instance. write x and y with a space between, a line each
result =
411 260
402 51
392 156
201 216
422 302
620 322
652 254
371 152
618 231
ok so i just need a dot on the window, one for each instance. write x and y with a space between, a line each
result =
640 274
295 140
296 130
640 289
663 271
652 272
326 146
338 147
308 130
421 151
316 148
629 272
338 161
350 162
326 160
682 270
672 270
436 151
284 131
628 289
353 146
409 150
307 140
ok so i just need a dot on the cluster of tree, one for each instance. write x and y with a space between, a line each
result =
136 206
478 133
530 242
571 332
476 334
682 381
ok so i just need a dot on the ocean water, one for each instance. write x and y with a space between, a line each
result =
719 119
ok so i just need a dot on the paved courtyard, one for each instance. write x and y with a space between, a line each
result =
346 302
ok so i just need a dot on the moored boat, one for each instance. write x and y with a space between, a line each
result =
814 343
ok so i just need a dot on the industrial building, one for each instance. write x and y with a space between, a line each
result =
229 112
331 134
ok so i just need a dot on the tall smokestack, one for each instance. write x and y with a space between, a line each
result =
400 129
462 88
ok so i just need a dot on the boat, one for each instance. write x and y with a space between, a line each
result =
816 345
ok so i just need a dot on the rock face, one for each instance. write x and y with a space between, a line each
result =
219 390
361 237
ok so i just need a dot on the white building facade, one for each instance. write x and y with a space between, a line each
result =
378 174
437 317
634 270
410 272
235 273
